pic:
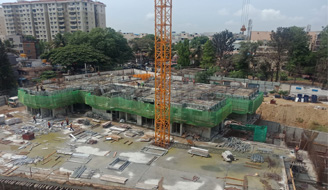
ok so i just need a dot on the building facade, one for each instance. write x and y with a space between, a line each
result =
3 31
45 18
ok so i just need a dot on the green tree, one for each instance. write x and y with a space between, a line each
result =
48 75
183 50
144 45
322 58
73 57
7 78
209 56
299 55
246 59
280 42
8 45
196 55
204 76
108 41
59 41
198 41
223 43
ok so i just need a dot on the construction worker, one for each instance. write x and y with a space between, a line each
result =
62 124
71 127
49 125
37 87
142 84
67 121
193 82
34 119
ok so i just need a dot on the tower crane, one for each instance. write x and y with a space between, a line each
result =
163 40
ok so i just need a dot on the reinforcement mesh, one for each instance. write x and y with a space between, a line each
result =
260 132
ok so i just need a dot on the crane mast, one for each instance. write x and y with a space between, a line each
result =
163 39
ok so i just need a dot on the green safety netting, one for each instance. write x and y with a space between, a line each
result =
259 131
179 115
245 106
55 100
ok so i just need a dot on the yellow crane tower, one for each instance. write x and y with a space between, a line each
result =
163 40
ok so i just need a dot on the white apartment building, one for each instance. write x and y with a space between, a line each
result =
43 19
177 37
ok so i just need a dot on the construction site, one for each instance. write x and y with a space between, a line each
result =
96 131
134 129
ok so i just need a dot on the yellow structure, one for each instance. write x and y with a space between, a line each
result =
163 39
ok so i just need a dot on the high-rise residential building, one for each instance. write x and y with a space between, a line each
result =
43 19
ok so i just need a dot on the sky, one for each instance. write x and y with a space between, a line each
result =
199 16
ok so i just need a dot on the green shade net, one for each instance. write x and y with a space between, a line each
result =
59 99
245 106
259 131
178 115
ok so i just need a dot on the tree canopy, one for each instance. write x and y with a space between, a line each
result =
73 57
7 78
279 41
183 50
246 58
209 56
111 46
143 45
223 42
299 54
198 41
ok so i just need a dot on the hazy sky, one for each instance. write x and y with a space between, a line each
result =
216 15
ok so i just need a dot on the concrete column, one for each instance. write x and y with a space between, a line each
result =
110 115
139 120
206 132
72 109
126 117
181 129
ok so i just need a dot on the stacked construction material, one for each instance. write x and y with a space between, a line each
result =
257 158
199 152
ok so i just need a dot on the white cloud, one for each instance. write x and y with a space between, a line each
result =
223 12
230 22
271 15
267 14
149 16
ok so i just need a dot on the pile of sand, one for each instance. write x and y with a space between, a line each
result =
295 114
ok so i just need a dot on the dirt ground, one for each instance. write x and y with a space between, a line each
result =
6 109
296 114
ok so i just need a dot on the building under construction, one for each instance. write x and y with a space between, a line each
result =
128 95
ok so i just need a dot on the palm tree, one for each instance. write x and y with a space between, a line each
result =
59 41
